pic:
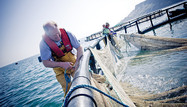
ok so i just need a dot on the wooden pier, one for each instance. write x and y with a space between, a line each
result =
173 13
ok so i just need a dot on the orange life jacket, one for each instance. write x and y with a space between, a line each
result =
53 46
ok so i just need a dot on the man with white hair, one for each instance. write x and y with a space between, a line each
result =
55 52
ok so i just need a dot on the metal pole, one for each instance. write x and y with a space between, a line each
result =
82 97
82 76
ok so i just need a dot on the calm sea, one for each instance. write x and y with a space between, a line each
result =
158 72
29 83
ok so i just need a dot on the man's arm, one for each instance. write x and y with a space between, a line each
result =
53 64
79 55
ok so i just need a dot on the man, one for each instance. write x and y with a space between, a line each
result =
108 32
55 50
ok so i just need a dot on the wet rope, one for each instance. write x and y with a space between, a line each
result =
68 80
88 86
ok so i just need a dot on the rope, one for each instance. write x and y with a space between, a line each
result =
84 86
68 80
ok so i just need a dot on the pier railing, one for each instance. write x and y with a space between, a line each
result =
172 13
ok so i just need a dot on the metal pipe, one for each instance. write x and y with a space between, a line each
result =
82 76
82 97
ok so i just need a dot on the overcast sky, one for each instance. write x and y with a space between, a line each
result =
21 21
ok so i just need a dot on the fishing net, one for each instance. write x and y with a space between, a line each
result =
111 62
101 100
148 42
107 62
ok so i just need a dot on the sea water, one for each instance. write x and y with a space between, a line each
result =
29 83
154 71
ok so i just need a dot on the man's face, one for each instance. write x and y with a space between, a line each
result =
107 25
54 34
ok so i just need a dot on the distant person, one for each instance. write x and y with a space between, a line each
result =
108 33
55 51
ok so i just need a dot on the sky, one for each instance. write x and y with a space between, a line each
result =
21 22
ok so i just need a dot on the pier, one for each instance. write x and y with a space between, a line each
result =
172 13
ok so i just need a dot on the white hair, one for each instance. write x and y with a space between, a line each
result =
49 26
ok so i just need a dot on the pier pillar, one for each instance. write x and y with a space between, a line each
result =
185 7
167 14
125 28
138 27
151 21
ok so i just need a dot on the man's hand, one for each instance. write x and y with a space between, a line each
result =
66 65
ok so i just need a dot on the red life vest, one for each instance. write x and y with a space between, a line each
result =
55 48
